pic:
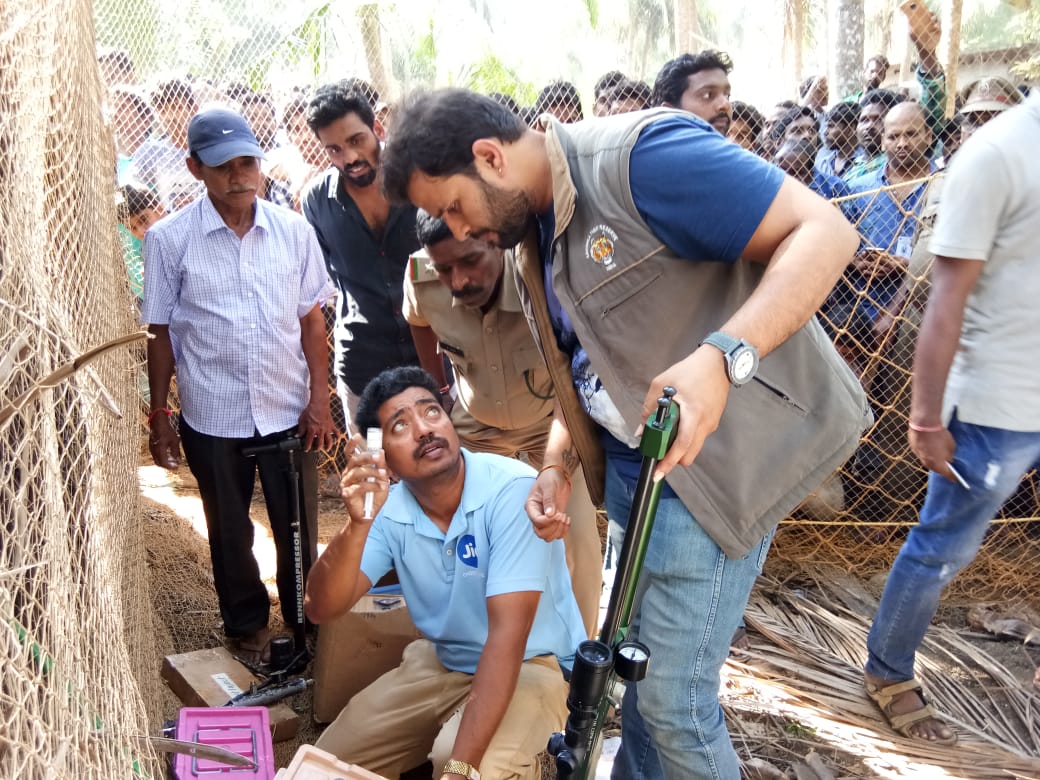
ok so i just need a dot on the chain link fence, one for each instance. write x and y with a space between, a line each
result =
92 120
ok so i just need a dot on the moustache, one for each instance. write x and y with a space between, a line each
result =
428 444
466 292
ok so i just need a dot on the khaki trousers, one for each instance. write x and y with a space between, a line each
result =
412 713
584 550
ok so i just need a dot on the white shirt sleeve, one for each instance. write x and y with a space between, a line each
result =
161 287
974 198
315 286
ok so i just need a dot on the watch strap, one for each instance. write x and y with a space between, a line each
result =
721 341
456 767
734 352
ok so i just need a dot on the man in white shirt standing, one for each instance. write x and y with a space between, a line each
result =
232 297
975 408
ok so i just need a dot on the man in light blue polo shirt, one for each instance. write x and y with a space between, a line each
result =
482 692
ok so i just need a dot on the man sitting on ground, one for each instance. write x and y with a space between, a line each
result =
461 301
483 690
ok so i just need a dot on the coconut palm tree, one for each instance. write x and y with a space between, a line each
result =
848 46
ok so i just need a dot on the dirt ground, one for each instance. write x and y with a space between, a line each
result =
184 600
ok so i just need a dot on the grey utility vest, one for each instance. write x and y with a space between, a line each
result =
637 308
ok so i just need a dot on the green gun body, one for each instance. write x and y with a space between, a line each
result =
598 663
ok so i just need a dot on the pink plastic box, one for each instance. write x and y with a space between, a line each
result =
242 730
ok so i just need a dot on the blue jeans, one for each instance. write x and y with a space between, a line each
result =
949 533
690 600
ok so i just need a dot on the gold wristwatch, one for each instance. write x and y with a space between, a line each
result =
456 767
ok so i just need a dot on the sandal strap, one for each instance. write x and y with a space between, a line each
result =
884 695
901 722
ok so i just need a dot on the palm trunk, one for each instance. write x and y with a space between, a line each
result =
848 46
686 27
793 53
885 20
372 39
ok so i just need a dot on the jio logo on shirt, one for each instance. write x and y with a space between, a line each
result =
466 550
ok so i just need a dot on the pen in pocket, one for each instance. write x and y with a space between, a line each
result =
956 475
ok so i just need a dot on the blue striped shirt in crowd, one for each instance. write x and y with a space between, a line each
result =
233 307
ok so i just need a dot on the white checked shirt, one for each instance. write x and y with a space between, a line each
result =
234 307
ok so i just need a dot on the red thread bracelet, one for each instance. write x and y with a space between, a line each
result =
164 410
924 428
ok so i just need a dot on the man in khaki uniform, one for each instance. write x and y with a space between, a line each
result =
465 294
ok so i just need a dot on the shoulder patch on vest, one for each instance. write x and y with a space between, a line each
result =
420 268
599 246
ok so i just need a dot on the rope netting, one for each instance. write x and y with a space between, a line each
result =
860 516
78 640
82 116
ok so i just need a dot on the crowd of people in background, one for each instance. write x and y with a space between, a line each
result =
837 148
879 154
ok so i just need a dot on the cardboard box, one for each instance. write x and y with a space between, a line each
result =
357 648
209 678
310 763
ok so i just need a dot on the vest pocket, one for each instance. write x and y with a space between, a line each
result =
780 395
624 297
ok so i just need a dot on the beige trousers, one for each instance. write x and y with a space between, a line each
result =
584 550
412 713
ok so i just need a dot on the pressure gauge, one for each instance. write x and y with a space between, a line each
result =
631 661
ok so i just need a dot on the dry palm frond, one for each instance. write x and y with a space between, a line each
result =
809 671
67 369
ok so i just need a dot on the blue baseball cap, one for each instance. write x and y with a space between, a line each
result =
218 135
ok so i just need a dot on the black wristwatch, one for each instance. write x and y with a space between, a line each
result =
741 357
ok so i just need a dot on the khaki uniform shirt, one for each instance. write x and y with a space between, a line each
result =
500 375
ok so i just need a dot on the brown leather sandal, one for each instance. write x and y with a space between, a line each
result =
254 650
901 722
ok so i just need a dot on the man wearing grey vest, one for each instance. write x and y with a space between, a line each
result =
653 252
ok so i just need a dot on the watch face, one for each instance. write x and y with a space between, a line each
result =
743 365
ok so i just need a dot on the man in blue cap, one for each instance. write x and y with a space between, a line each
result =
232 297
